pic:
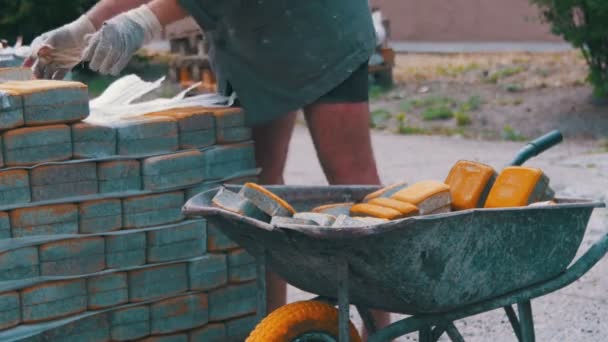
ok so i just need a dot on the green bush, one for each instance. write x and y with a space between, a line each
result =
583 24
29 18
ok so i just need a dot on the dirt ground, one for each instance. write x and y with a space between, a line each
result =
511 96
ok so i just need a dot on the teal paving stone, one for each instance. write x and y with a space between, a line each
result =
153 210
266 201
130 323
72 257
119 176
149 135
14 187
177 314
173 170
107 290
11 110
46 102
197 139
5 226
63 181
33 145
1 154
230 135
45 220
230 117
207 272
232 301
180 241
182 337
100 216
223 161
238 329
243 180
241 266
233 202
94 328
19 263
125 249
10 310
216 240
214 332
157 282
53 300
93 141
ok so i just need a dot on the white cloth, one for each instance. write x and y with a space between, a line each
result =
110 49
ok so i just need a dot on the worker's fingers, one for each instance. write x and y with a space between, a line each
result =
89 51
60 74
49 71
108 62
28 62
38 69
120 64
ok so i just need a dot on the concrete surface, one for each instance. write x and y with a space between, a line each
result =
477 47
575 313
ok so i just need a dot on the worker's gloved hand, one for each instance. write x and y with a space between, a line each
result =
56 52
110 49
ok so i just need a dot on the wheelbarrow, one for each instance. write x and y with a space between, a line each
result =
437 269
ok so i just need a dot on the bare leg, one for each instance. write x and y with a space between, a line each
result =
342 139
271 146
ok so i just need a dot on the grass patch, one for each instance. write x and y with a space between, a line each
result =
437 113
462 119
504 73
376 92
509 133
379 118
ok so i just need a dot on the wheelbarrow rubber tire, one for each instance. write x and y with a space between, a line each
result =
295 320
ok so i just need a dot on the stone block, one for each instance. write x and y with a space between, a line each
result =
177 314
207 272
107 290
19 263
100 216
53 300
51 182
72 257
153 210
125 249
45 220
232 301
33 145
119 176
93 141
180 241
157 282
14 187
173 170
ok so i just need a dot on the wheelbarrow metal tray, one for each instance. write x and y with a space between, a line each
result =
426 264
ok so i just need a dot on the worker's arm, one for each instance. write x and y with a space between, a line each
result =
167 11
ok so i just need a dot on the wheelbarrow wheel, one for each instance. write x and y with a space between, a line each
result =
307 321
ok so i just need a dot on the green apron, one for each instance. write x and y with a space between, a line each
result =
280 55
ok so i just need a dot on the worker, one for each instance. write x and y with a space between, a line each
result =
278 57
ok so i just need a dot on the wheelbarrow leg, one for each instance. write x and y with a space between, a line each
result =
526 321
425 334
368 319
343 301
261 284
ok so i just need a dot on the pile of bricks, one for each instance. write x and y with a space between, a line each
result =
93 243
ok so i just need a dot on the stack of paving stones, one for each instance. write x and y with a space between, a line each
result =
93 243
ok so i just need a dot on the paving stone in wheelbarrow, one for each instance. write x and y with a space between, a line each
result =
386 192
266 201
10 310
63 181
382 212
14 187
241 266
33 145
518 186
232 301
119 176
238 329
45 220
48 101
5 226
100 216
93 141
214 332
72 257
282 220
200 188
207 272
196 126
230 201
107 290
153 210
344 221
20 263
318 218
177 314
147 135
470 182
130 323
179 241
428 196
157 282
53 300
229 135
173 170
125 249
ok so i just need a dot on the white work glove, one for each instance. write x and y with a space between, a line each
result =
56 52
110 49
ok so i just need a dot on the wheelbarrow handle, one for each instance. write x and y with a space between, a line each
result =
537 146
